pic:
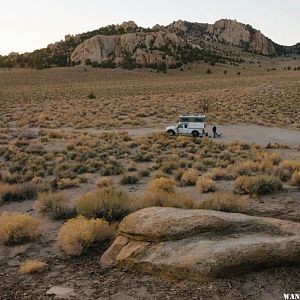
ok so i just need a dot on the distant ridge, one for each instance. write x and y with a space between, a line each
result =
130 46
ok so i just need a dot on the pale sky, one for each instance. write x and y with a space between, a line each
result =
26 25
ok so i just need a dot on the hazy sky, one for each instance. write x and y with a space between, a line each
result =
26 25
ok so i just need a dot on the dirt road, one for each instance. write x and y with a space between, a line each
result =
246 133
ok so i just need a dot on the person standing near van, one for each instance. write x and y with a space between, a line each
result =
214 129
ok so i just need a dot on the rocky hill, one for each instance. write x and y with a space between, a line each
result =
130 46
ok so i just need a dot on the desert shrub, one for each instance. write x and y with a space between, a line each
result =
221 174
275 158
161 192
78 234
32 266
144 173
205 185
160 174
55 204
18 192
129 179
224 201
17 227
108 203
91 96
286 169
104 182
66 183
247 167
296 178
260 184
162 184
169 166
161 198
189 177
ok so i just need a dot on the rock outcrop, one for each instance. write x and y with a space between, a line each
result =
200 244
161 43
240 34
145 48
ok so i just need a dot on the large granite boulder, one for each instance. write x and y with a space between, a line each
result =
201 244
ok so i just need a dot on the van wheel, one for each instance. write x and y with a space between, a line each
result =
171 132
195 133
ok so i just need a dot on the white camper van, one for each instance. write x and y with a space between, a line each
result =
189 125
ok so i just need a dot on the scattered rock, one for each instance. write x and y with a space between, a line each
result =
201 244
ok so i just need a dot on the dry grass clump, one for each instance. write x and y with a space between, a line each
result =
17 227
205 185
55 204
256 185
296 178
221 174
162 184
17 192
104 182
78 234
225 201
107 203
32 266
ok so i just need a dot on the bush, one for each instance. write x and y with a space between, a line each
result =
189 177
161 192
129 179
162 198
205 185
66 183
104 182
79 233
287 168
144 173
224 201
221 174
55 204
17 227
261 184
162 184
17 192
296 178
32 266
107 203
91 96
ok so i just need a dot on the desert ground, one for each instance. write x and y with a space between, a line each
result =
67 134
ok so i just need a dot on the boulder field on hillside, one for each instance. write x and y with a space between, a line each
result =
200 244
